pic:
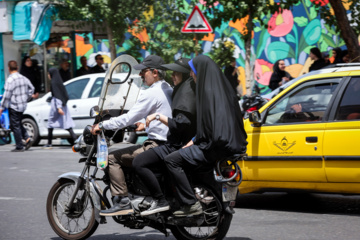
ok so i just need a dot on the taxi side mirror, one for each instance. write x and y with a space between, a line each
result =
255 118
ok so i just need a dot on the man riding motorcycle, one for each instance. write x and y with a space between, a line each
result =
155 99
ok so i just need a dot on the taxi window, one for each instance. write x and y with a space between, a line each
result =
76 88
349 108
307 104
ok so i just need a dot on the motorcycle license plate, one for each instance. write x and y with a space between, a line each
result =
229 193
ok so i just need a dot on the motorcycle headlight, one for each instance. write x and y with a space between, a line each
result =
88 137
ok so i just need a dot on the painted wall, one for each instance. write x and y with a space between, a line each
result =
290 35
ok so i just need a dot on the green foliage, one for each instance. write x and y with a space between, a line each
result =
222 53
164 30
330 19
118 15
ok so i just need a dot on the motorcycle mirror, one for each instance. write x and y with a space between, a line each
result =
255 118
122 67
94 111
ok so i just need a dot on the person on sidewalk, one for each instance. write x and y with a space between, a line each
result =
18 90
59 116
84 69
31 72
182 127
155 99
64 71
98 67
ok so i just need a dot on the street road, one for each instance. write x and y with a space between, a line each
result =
27 177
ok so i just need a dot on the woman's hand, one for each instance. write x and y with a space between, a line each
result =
150 118
140 126
60 111
189 144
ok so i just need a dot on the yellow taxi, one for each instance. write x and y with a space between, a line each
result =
307 138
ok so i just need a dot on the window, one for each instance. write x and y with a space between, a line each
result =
349 107
306 104
96 88
76 88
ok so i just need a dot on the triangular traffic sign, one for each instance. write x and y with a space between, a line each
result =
196 23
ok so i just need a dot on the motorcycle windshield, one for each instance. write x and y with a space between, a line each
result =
121 87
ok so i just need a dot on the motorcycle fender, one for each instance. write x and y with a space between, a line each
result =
94 196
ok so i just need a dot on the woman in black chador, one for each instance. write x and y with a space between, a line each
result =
182 127
220 131
279 75
29 70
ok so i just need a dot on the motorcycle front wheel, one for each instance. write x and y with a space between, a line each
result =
75 223
216 221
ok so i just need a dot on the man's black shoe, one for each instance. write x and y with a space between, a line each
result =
157 205
28 143
18 150
121 206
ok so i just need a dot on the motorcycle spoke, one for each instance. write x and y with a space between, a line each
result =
76 220
211 208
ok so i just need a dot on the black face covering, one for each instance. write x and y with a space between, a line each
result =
57 86
183 97
220 125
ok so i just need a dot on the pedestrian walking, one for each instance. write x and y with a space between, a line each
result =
59 116
18 90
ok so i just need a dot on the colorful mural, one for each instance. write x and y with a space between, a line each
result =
290 36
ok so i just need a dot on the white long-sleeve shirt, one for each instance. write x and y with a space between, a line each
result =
155 99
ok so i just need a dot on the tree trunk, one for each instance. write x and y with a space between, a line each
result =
248 81
111 42
346 31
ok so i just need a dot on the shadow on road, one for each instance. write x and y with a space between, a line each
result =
301 202
142 235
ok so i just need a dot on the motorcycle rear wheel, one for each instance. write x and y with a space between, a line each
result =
78 223
217 222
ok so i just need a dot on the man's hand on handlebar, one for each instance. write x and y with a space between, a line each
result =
95 129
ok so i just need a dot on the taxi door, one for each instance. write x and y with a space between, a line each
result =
287 147
342 135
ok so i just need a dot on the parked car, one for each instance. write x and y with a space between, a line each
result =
84 93
306 138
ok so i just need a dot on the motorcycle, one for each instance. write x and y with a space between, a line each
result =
253 102
76 199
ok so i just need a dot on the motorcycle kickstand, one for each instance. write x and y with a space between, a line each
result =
161 220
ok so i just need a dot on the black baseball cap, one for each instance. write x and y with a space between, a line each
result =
151 61
180 65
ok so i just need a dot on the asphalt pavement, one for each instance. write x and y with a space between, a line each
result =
27 177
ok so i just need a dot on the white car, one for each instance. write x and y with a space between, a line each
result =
84 93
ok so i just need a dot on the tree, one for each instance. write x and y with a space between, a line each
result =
349 29
163 23
116 16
